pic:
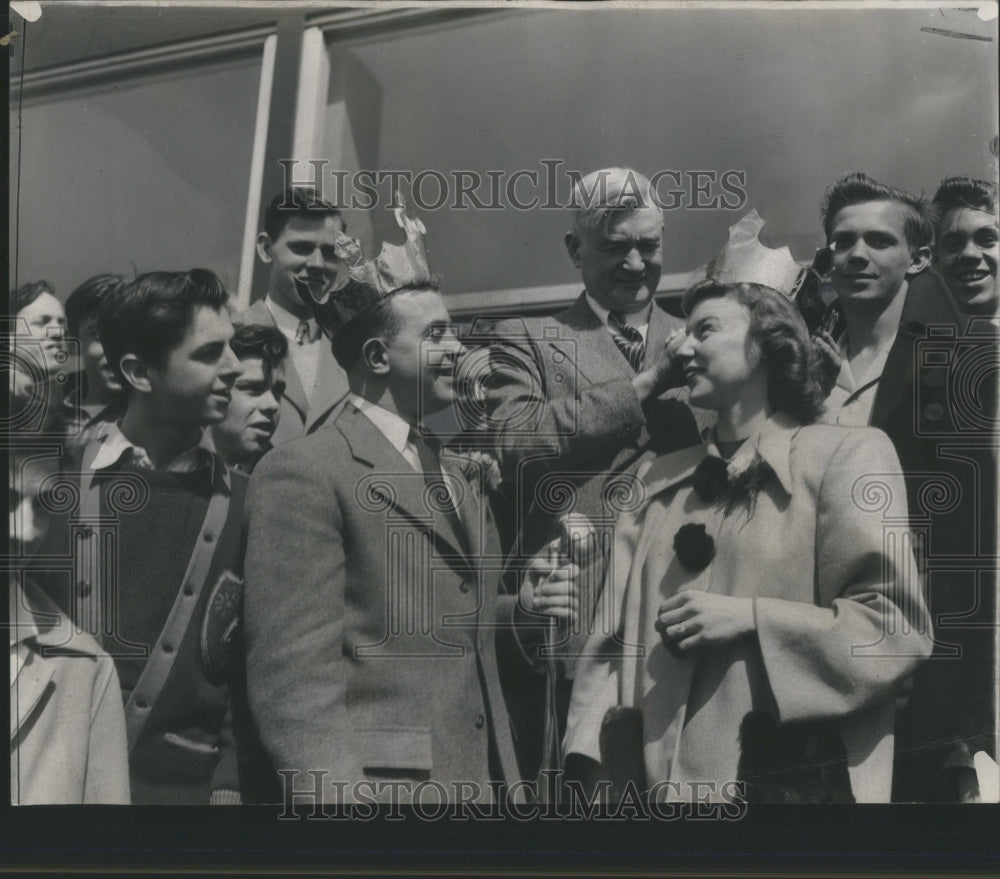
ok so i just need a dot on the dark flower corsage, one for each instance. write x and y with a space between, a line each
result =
748 481
694 546
710 478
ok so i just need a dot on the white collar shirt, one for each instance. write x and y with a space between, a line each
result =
305 354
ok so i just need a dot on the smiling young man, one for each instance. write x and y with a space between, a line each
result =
373 604
880 239
255 409
155 573
951 714
298 245
968 243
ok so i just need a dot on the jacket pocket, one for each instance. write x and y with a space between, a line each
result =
392 748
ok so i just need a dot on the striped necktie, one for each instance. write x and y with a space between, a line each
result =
627 338
307 331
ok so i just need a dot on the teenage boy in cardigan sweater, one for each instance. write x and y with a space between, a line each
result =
167 504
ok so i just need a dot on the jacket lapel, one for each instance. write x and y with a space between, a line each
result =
470 509
668 470
28 689
393 481
294 392
589 345
928 304
661 325
331 387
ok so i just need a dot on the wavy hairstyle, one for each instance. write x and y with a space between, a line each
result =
776 326
963 192
150 315
858 188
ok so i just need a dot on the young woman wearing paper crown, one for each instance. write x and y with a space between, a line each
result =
766 606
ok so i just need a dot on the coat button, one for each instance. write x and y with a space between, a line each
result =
933 411
480 721
168 648
189 591
83 588
209 537
141 704
464 586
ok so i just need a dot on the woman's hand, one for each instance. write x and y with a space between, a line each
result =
694 619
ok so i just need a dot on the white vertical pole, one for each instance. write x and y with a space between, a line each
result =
248 251
310 104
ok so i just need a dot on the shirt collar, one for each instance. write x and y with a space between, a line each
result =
389 424
41 622
199 456
89 410
287 322
773 442
850 382
603 313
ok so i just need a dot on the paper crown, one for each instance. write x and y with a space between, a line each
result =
360 284
745 260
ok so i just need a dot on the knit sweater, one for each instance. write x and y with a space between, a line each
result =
185 753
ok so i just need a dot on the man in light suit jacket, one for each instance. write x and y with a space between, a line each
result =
578 398
297 243
373 602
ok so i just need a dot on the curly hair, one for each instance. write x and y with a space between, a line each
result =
793 366
268 343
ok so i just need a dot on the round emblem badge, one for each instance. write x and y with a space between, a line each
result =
218 628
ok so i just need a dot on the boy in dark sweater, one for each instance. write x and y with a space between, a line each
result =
156 544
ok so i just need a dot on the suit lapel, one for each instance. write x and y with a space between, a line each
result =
589 345
469 508
331 387
928 304
393 481
294 392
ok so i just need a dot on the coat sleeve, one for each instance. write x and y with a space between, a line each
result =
294 611
529 420
107 760
869 627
